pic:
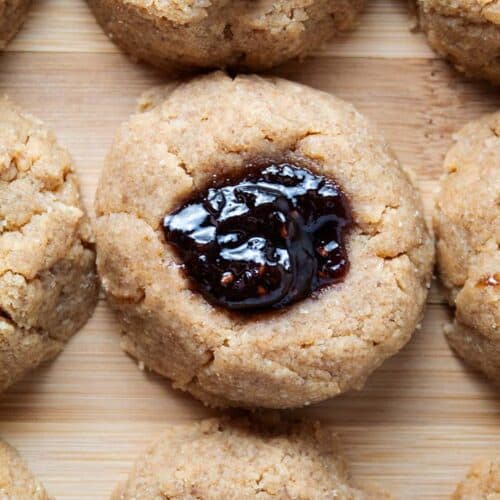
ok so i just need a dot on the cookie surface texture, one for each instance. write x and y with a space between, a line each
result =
482 482
467 32
48 280
467 225
224 458
240 34
314 349
16 480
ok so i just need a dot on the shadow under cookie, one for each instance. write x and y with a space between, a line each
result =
13 13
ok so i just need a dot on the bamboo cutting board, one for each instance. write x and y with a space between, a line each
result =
80 421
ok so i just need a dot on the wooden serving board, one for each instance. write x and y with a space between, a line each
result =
80 421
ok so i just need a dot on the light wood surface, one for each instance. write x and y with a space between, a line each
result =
80 421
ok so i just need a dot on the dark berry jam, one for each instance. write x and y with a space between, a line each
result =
265 240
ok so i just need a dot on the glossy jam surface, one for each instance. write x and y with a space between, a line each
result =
265 240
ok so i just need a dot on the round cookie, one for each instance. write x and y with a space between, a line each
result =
12 15
467 226
16 480
48 281
241 458
467 32
239 34
482 482
311 350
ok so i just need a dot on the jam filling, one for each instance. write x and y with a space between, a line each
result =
265 240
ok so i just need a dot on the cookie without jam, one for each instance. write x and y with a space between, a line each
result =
482 482
467 32
467 225
244 459
312 350
16 480
12 15
48 281
241 34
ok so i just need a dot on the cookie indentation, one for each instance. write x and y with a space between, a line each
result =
266 240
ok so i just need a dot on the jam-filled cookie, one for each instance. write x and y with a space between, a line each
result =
240 34
467 224
467 32
16 480
48 281
260 243
482 482
12 15
246 459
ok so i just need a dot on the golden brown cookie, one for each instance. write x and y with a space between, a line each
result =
467 225
221 33
467 32
244 459
48 281
12 15
317 347
482 482
16 480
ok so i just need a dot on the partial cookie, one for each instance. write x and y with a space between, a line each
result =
12 15
245 459
16 480
238 34
467 225
327 339
467 32
48 281
482 482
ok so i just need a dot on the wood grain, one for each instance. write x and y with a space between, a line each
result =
81 420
